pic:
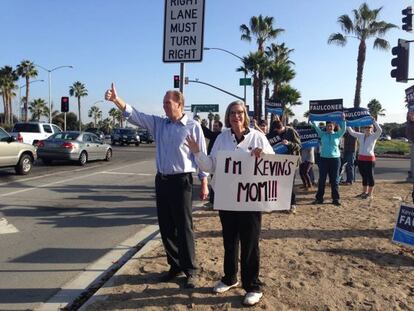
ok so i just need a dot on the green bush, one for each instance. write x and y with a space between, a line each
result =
392 146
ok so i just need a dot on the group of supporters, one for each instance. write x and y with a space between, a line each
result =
181 151
338 146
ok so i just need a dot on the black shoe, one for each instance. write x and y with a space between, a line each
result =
169 275
190 282
336 203
317 202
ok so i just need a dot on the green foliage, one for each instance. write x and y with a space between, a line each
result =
392 146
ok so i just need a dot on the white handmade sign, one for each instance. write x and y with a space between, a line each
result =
246 183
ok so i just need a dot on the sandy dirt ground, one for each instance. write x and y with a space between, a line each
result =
322 258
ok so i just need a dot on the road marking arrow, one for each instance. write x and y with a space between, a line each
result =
5 227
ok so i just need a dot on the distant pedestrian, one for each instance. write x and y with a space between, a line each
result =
366 156
329 160
348 157
285 140
307 158
211 136
174 181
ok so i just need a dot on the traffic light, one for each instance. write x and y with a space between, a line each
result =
402 51
64 104
177 81
407 19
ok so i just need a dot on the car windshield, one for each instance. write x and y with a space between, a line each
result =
26 127
127 132
64 136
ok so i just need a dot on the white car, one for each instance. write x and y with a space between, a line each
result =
33 132
14 154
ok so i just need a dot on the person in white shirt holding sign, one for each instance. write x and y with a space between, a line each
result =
366 156
237 226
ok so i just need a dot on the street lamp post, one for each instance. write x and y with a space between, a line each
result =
231 53
50 84
20 97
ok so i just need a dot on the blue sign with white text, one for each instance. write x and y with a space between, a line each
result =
326 110
357 117
404 228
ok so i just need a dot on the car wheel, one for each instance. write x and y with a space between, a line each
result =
25 165
113 143
108 156
83 158
137 144
46 161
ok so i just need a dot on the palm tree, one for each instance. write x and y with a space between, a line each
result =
375 109
280 70
263 30
256 63
95 113
289 97
8 78
26 69
78 90
363 26
38 109
113 114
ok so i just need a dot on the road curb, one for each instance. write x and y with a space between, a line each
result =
94 273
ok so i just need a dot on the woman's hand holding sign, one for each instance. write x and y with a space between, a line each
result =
257 152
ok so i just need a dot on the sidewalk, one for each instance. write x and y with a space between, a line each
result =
322 258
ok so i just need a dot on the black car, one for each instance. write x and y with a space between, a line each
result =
96 131
145 136
125 136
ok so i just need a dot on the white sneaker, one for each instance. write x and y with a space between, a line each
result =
292 209
252 298
221 287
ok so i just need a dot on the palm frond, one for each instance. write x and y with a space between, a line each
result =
381 44
337 38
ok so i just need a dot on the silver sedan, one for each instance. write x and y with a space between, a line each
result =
73 146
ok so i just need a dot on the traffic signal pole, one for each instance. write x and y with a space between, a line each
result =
182 67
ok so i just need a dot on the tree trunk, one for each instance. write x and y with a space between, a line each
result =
360 68
256 97
79 114
27 99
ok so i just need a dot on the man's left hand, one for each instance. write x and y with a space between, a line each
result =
204 189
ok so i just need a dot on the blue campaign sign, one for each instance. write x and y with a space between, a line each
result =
274 107
404 228
326 110
308 137
357 117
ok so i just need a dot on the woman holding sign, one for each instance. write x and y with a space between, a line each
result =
366 156
237 226
329 159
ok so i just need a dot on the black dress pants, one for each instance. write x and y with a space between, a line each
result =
174 210
244 228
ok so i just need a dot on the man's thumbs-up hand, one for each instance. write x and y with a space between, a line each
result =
111 94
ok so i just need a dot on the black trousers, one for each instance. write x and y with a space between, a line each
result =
244 228
366 169
174 209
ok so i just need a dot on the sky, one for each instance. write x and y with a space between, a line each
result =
122 42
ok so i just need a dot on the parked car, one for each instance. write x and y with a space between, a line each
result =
384 137
402 139
145 136
125 136
73 146
96 131
14 154
33 132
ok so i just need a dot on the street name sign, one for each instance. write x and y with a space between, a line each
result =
183 31
204 108
245 81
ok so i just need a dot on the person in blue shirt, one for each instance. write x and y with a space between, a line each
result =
330 159
174 181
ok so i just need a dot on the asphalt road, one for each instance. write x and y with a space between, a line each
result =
66 217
